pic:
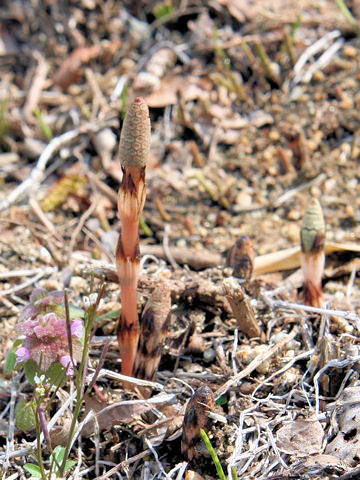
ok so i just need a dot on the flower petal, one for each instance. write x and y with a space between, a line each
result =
22 354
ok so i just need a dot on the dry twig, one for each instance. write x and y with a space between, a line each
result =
272 350
38 173
242 310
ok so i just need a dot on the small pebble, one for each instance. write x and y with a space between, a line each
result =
316 192
247 354
109 240
339 236
244 200
350 51
350 211
181 243
50 284
273 171
290 377
93 224
296 93
105 140
352 183
312 145
329 185
45 256
209 355
339 296
345 148
274 135
319 76
79 284
293 232
346 103
294 214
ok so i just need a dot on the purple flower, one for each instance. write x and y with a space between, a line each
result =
40 296
68 364
43 323
77 327
48 325
48 350
42 302
22 354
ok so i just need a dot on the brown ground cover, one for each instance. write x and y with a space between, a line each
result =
254 108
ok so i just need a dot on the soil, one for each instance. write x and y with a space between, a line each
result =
244 134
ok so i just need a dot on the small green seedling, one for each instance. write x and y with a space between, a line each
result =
213 454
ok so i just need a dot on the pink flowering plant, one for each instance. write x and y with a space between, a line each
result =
53 349
43 323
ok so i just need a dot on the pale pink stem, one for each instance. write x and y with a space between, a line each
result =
134 151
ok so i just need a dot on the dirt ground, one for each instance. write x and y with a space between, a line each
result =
254 108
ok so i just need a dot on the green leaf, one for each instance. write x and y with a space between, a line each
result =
24 415
107 316
295 26
59 452
10 360
222 400
33 469
213 454
124 100
163 9
76 312
46 130
55 374
144 227
69 464
31 369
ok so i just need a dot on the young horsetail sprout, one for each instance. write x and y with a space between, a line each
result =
312 236
134 151
153 332
196 418
241 257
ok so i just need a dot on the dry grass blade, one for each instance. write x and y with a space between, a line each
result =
289 258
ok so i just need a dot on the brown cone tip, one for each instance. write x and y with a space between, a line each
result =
135 135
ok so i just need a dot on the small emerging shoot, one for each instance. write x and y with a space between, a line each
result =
196 418
153 331
241 257
312 236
